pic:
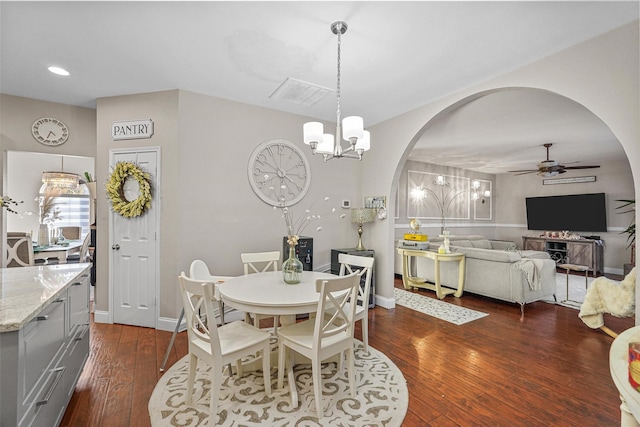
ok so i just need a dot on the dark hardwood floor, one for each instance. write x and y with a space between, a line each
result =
547 369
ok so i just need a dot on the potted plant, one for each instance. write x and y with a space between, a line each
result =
630 206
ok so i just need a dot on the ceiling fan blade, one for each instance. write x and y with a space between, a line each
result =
525 170
581 167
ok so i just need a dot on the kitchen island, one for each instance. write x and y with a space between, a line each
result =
44 341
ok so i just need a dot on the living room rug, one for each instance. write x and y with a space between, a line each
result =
577 290
381 398
436 308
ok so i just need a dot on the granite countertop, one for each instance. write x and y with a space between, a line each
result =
26 291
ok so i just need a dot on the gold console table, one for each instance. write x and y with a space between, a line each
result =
411 282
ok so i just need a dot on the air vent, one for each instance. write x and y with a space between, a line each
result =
299 92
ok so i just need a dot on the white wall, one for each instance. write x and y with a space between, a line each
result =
208 209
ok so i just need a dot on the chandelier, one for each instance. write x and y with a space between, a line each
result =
351 128
61 179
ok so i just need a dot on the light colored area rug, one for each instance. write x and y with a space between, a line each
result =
436 308
577 290
381 398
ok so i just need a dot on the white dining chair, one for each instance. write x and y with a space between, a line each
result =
217 345
348 265
71 232
328 334
83 255
259 262
19 249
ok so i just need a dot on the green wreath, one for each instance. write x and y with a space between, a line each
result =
119 203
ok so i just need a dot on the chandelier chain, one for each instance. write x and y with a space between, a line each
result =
338 112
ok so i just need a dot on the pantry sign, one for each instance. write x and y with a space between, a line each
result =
132 129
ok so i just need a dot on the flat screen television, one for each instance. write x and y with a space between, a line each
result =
574 212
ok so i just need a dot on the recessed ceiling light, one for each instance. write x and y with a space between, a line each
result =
59 71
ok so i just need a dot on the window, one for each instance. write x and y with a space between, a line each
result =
73 204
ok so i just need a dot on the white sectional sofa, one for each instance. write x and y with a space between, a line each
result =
495 269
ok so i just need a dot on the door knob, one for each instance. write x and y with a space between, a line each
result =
116 247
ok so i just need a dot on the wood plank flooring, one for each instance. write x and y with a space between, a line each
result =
546 369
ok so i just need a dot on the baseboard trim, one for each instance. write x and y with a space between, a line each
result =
384 302
101 316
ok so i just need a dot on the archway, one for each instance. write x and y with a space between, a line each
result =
425 127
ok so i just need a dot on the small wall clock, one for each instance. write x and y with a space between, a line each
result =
50 131
279 173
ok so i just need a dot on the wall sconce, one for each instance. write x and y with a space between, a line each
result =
475 192
418 193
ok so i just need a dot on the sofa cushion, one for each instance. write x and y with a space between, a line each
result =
487 255
482 244
462 243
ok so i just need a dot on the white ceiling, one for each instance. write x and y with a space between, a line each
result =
396 56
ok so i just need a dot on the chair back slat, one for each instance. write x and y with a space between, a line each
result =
259 262
19 250
71 232
334 314
197 299
349 264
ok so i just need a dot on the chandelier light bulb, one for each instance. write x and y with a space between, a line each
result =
363 143
312 132
352 127
327 145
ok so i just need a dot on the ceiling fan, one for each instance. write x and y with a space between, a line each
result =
550 167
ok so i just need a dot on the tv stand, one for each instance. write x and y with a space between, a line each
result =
589 253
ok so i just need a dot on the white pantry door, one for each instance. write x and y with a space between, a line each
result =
134 276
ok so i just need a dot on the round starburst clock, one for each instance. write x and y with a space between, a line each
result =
279 173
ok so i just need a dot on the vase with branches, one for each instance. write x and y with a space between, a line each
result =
292 267
49 212
8 203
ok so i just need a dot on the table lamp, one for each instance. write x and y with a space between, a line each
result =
361 216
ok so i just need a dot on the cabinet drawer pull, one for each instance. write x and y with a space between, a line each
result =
59 371
60 300
43 317
84 332
76 284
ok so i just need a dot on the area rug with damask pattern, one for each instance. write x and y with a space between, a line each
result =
381 398
436 308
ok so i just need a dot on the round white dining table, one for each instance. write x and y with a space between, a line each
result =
267 293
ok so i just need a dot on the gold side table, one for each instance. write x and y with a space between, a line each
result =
411 282
575 267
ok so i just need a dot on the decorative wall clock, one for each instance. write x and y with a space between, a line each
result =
279 173
50 131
